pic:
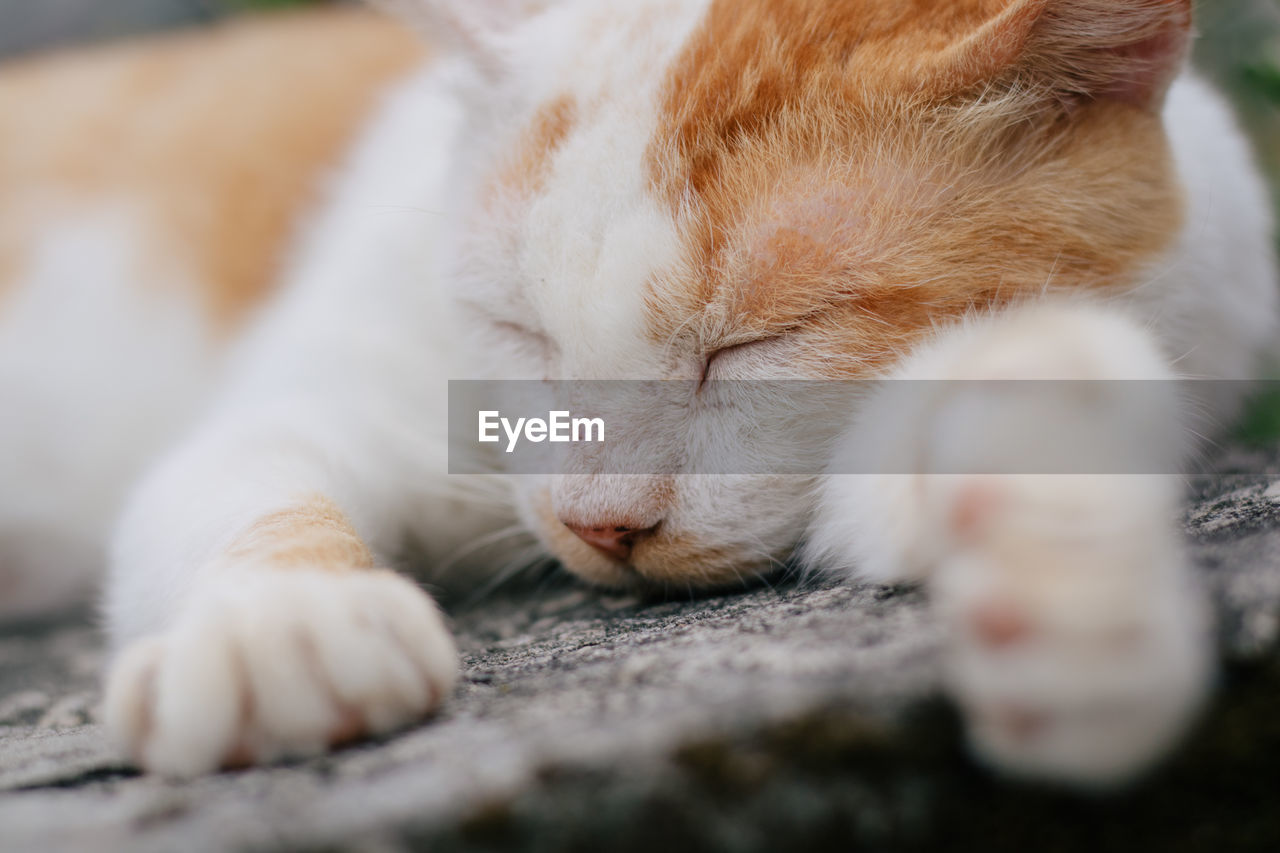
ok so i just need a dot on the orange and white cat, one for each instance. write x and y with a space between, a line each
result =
238 268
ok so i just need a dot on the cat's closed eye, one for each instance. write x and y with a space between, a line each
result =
726 362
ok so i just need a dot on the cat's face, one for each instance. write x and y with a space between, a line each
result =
742 189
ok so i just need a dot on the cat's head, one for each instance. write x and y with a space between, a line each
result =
680 189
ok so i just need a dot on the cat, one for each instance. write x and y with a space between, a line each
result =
232 294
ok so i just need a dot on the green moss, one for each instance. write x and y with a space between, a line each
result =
1263 78
1260 425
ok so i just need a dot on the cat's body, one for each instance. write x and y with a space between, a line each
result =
658 188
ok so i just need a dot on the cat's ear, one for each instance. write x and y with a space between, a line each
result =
1124 50
473 27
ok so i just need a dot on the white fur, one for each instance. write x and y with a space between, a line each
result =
402 282
1212 302
85 401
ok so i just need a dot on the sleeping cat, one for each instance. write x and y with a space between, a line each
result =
237 270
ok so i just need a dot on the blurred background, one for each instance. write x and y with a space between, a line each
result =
35 24
1239 48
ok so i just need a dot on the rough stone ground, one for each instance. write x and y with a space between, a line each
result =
783 718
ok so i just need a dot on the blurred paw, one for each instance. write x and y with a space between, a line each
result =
267 666
1078 644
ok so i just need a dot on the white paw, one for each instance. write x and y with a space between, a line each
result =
266 666
1079 649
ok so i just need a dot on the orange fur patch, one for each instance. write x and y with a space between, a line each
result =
222 137
312 535
844 174
524 170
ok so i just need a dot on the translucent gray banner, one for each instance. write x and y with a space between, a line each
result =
800 428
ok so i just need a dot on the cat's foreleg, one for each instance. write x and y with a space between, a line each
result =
251 613
1077 645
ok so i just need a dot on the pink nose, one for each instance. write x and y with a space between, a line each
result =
614 540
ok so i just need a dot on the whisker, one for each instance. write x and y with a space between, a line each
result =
482 542
528 560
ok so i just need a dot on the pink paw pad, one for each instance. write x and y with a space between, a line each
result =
998 625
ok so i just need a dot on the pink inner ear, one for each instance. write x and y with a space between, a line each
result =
1125 50
1149 67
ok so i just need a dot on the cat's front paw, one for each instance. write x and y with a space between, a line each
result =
271 665
1078 646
